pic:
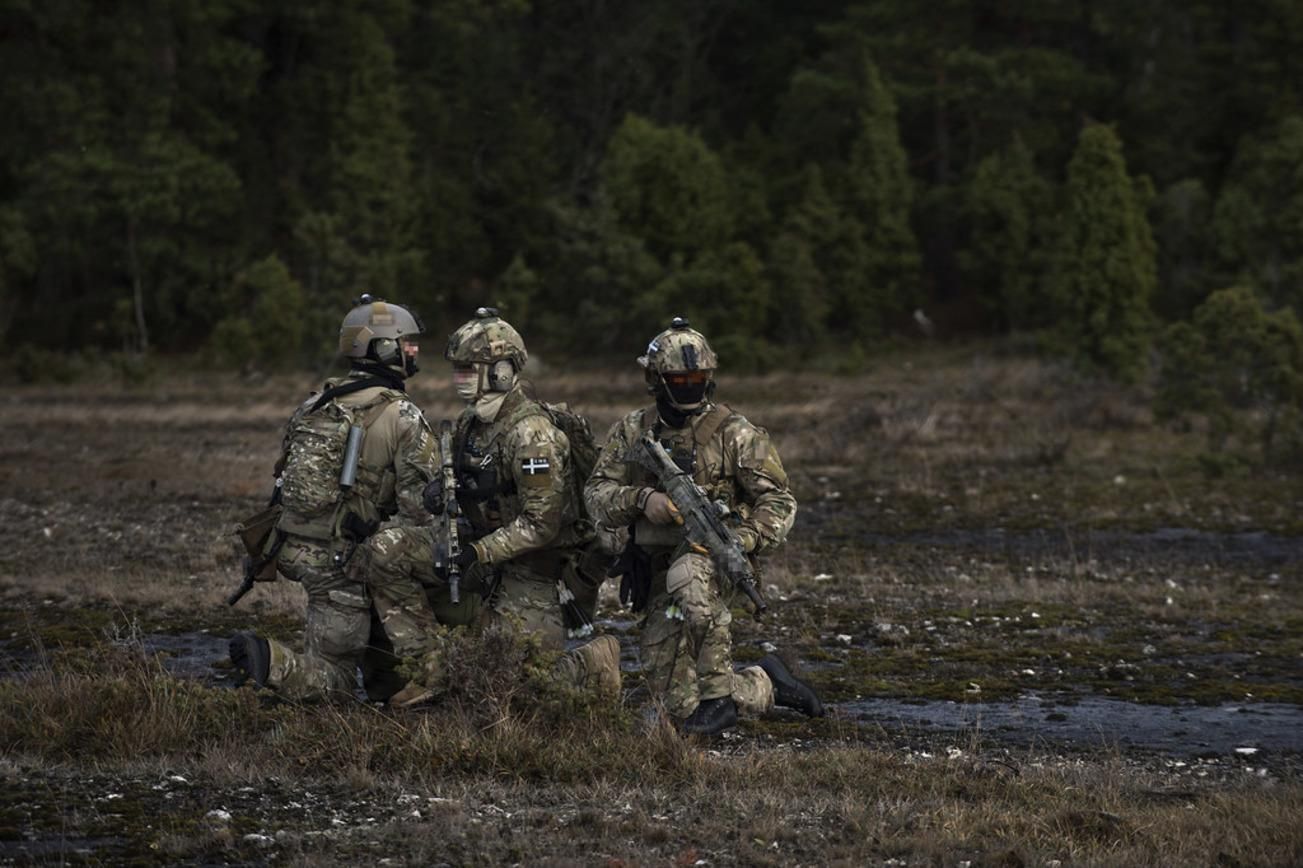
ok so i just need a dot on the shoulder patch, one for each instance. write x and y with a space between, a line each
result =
536 471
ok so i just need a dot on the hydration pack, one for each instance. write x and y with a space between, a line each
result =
316 442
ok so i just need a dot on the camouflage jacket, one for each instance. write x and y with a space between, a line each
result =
733 460
514 484
399 456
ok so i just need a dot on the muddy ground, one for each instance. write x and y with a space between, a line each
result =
1000 573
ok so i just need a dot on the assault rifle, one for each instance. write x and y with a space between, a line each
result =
447 535
702 518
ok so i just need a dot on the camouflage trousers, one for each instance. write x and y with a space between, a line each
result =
686 647
335 630
409 600
380 608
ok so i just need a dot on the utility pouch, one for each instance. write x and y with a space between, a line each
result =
258 535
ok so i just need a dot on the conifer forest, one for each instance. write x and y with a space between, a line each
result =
796 177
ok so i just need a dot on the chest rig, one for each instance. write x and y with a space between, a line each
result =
691 449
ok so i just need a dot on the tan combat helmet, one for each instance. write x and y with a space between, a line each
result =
680 364
492 346
373 330
486 339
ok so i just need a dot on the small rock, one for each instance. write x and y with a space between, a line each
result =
823 577
1246 751
844 638
219 815
768 647
258 840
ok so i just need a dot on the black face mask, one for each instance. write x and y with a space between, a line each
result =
671 415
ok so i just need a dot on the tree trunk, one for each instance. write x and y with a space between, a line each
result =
137 286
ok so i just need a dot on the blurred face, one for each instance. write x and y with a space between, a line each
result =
410 350
466 380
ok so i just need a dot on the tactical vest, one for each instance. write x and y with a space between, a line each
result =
686 451
485 479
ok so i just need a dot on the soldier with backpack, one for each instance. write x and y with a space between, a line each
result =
355 455
520 466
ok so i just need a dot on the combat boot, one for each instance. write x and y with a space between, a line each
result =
711 716
412 695
252 656
790 691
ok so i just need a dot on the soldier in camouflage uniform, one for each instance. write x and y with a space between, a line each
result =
517 491
685 642
334 552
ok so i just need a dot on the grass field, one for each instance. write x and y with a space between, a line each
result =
1049 636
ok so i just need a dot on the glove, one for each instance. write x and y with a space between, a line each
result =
661 510
467 556
432 497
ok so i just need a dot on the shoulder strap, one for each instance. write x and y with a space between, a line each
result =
715 419
524 410
347 389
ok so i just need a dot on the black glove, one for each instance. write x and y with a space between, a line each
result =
432 497
465 558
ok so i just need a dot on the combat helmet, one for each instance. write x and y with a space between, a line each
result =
373 331
484 342
680 365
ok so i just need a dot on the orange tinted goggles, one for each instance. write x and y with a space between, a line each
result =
677 379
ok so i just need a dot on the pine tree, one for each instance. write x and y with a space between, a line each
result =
1008 207
880 195
1258 221
364 226
1102 271
668 188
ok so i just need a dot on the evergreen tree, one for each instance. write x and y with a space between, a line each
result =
1102 271
880 194
668 188
358 234
1008 208
1182 229
818 260
1240 366
1258 223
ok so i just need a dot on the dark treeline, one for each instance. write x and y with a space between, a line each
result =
181 174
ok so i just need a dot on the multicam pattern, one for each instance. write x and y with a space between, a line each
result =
686 645
397 459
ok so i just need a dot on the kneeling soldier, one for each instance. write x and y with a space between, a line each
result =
686 643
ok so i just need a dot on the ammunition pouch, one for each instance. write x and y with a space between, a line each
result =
583 573
258 534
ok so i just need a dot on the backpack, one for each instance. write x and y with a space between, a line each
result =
314 455
583 445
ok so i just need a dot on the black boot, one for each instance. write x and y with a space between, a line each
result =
711 716
790 691
252 656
